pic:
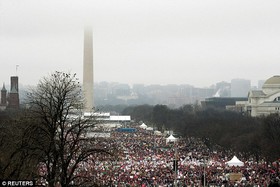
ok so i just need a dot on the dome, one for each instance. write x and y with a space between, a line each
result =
273 80
272 84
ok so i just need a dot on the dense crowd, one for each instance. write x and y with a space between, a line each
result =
144 159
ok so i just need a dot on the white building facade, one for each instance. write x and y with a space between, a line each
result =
266 101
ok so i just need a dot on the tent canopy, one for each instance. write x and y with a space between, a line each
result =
143 126
235 162
149 128
171 138
157 133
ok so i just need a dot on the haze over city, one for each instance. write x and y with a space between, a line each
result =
151 42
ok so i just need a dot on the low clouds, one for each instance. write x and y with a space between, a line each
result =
170 41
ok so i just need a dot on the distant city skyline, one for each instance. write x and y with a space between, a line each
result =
199 43
257 84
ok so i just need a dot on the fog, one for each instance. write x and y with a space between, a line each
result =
148 41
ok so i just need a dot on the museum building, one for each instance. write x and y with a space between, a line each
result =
266 101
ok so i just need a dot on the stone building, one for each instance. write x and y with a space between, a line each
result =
265 101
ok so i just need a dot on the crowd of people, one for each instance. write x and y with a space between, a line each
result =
148 160
144 159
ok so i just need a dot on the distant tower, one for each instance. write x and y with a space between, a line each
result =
14 83
88 70
13 100
3 96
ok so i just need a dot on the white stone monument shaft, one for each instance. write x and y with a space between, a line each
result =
88 70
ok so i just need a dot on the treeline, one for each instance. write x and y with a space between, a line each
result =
42 134
257 137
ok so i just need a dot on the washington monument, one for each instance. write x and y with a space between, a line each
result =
88 70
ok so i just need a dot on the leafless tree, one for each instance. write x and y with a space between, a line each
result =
57 105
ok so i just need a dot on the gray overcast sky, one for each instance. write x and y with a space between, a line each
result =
197 42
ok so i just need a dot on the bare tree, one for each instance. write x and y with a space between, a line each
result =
57 104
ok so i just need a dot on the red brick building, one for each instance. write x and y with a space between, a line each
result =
10 99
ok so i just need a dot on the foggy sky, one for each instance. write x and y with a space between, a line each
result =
197 42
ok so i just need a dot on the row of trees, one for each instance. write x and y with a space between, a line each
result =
249 136
50 133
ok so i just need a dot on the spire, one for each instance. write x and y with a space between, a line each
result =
3 88
3 96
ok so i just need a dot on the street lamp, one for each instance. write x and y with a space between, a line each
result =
204 171
175 161
176 166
